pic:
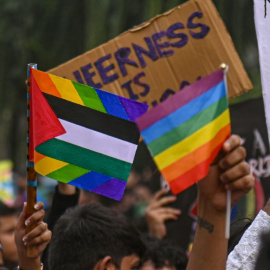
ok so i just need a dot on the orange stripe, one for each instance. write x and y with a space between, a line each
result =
194 175
194 158
45 83
38 157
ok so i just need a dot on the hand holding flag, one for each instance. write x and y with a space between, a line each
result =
229 172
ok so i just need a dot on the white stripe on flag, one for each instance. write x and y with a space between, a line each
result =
263 36
98 142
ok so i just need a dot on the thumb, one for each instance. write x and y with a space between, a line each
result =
21 220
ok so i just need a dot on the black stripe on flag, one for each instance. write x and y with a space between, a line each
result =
93 119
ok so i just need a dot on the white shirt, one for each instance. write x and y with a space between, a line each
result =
245 253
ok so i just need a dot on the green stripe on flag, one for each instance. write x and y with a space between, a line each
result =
67 173
189 127
89 97
85 158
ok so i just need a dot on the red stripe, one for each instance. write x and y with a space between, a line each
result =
194 175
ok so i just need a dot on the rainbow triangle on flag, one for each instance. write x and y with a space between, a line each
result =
81 135
185 133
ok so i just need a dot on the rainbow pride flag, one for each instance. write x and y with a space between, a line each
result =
81 135
185 133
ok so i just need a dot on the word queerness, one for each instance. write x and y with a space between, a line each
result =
160 44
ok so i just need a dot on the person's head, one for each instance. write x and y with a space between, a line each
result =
237 230
94 237
263 260
163 255
8 221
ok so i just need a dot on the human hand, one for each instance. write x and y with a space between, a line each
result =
157 214
39 237
228 172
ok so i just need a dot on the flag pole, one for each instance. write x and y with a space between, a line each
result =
31 173
229 194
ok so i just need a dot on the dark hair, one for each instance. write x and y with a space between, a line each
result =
237 229
86 234
6 210
263 260
164 253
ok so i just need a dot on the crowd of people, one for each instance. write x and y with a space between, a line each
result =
81 231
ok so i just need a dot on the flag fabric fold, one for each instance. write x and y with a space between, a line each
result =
81 135
185 133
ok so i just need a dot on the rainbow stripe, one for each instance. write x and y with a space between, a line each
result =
81 135
185 133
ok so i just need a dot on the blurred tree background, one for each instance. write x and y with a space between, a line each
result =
52 32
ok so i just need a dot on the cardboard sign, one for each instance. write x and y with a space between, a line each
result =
153 61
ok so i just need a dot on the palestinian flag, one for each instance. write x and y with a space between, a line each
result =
81 135
185 133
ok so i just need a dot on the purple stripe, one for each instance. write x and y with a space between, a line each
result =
133 108
113 189
178 100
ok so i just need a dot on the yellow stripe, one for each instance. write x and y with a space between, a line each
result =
66 89
251 201
192 142
48 165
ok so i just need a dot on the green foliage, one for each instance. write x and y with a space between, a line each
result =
52 32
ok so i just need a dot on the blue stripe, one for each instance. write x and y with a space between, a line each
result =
112 104
30 164
28 140
90 180
28 68
31 183
184 113
28 96
28 113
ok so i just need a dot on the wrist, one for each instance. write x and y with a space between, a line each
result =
30 264
39 267
209 216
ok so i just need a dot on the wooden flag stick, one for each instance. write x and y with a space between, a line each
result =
31 173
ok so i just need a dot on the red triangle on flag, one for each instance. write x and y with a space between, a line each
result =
44 124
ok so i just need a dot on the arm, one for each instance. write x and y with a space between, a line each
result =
38 237
65 196
227 172
157 214
245 253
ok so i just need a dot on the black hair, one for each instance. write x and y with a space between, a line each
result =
163 252
263 260
86 234
6 210
237 229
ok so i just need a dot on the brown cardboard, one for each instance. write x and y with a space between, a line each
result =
171 67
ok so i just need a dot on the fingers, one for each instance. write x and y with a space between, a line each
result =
235 156
164 214
240 170
233 142
157 201
37 236
20 223
159 194
169 212
38 216
39 205
244 184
